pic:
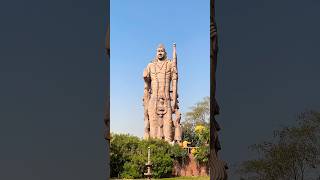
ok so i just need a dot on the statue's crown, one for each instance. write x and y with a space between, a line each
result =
161 46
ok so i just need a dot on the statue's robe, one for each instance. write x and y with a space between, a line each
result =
159 109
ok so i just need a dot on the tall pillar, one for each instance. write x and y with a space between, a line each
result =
107 101
217 166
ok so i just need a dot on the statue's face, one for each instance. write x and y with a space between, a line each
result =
161 53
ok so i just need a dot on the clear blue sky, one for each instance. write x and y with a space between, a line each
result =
137 27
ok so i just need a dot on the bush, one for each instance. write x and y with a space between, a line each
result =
122 147
179 154
202 154
129 155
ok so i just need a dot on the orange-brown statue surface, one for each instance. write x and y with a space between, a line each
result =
160 98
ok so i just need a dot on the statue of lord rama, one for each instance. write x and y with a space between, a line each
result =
160 98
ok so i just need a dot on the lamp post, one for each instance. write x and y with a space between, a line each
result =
149 165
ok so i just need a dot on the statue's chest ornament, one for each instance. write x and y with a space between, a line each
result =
161 107
159 70
160 67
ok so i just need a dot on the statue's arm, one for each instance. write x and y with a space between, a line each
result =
146 94
174 84
147 86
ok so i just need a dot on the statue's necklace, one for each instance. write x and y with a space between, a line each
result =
160 64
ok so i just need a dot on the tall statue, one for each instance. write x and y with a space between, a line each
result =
160 98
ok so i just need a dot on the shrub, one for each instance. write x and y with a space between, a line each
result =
129 155
122 147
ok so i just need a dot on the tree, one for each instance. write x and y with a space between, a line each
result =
294 151
202 152
196 129
198 115
122 148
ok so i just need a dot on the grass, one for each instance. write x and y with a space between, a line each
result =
183 178
189 178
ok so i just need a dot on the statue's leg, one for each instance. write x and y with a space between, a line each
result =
146 127
153 124
178 133
177 127
160 128
167 126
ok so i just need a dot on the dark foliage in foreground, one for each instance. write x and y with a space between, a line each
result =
294 152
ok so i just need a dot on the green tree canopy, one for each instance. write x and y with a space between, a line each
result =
199 114
196 129
292 154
